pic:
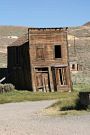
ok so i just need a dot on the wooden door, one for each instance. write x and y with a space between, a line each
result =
45 82
39 82
42 82
59 77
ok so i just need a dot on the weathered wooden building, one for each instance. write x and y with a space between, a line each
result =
38 61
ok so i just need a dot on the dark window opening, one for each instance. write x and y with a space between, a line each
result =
58 51
73 66
77 67
41 69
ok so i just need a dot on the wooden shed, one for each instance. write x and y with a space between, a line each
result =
38 61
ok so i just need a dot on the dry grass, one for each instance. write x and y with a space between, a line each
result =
19 96
69 105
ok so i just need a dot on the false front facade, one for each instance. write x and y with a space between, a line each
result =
39 60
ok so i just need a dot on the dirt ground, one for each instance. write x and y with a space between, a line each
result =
25 119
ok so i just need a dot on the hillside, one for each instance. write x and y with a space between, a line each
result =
78 41
79 49
87 24
12 30
8 34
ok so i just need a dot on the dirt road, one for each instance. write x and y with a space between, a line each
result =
24 119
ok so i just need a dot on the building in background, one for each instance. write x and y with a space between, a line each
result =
39 60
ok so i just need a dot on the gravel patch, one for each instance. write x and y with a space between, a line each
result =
24 119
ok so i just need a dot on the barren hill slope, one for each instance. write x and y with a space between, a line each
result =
79 47
8 34
12 30
87 24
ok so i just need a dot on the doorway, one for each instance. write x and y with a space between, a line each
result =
59 77
42 79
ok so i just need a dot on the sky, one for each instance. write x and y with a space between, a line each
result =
44 13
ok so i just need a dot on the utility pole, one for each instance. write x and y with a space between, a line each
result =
74 47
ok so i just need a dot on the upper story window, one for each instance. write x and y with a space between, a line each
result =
39 53
58 51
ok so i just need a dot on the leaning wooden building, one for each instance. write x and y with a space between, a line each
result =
38 61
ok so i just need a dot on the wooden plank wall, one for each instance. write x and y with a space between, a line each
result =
47 39
20 74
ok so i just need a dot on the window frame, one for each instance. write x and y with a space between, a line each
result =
42 57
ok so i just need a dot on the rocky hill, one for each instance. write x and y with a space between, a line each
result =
78 42
87 24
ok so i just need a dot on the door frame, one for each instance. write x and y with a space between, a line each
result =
45 79
56 77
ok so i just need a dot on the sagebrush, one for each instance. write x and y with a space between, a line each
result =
6 87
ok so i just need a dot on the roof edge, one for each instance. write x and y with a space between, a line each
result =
48 28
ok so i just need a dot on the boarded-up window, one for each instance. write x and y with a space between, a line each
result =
58 51
40 53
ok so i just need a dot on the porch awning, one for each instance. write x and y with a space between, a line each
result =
56 66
